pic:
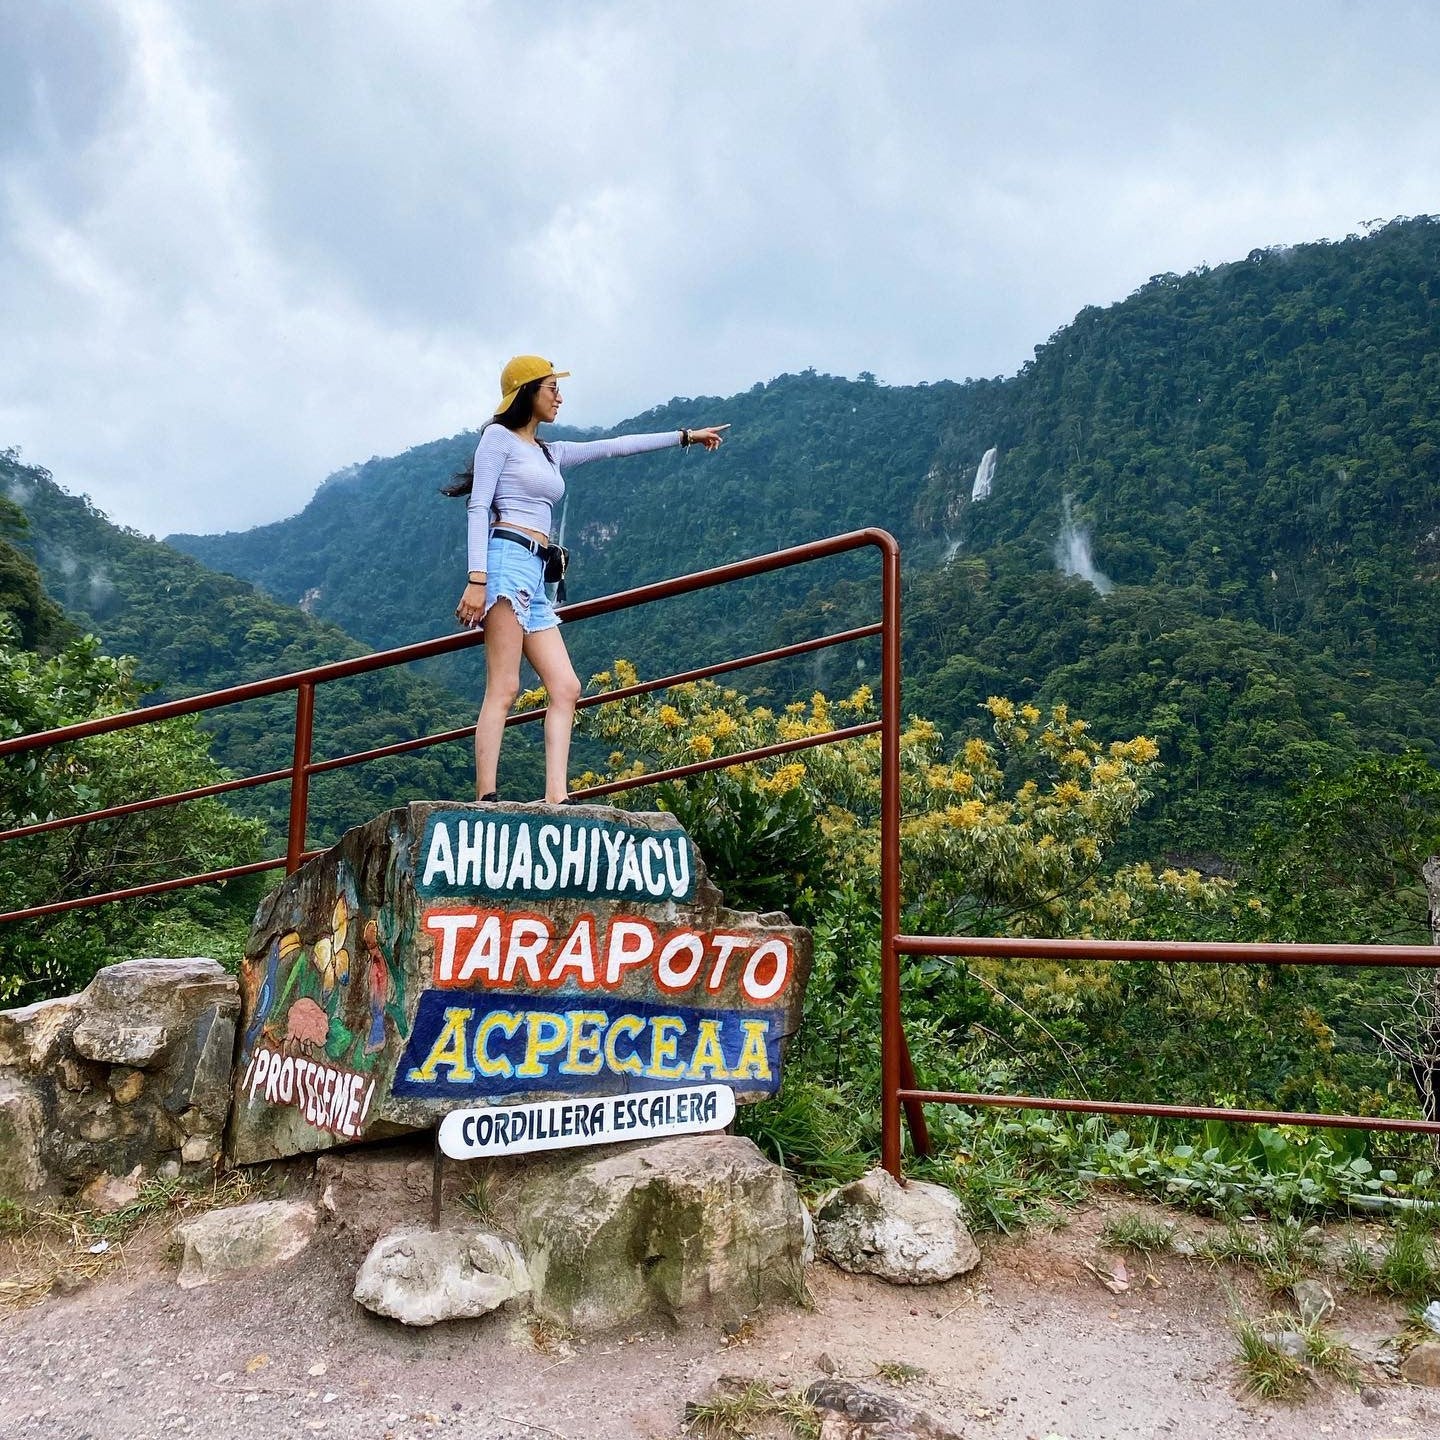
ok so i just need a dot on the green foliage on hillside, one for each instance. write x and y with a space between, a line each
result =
59 953
195 630
39 622
1255 454
1252 452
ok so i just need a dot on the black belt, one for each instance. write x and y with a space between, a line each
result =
515 537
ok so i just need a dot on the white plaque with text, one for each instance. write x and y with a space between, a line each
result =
559 1124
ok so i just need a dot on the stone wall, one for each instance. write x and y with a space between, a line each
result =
133 1071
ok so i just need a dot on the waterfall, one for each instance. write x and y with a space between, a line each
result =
1072 551
984 478
984 475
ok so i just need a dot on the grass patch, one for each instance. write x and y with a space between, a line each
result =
1356 1263
63 1246
1407 1269
1269 1373
175 1199
796 1287
898 1373
478 1198
1135 1232
1280 1253
547 1336
1415 1329
1272 1372
1410 1267
818 1131
12 1218
1328 1355
737 1414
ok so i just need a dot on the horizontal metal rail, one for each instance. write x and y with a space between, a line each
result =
133 807
1175 1112
606 697
447 644
634 782
442 737
135 892
1181 952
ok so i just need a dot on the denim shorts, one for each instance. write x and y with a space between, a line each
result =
512 573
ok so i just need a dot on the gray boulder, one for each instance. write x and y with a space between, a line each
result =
420 1277
135 1070
1313 1300
134 1011
696 1222
1290 1343
911 1235
243 1237
1422 1364
852 1412
22 1128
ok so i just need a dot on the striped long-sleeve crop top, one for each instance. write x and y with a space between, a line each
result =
514 480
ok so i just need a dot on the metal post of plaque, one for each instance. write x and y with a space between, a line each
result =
437 1182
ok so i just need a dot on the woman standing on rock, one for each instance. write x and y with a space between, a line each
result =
513 487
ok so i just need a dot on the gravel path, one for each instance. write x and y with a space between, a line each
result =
1030 1345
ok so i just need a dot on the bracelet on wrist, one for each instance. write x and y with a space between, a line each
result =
684 438
473 579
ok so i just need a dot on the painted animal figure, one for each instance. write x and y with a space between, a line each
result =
307 1025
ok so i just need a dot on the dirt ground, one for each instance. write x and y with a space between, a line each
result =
1031 1344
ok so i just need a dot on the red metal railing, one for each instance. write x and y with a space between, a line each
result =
305 682
901 1094
1413 957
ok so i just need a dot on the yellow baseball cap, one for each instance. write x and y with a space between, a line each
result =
521 370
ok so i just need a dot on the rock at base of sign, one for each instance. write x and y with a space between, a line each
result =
243 1237
107 1194
852 1412
1422 1364
135 1070
420 1276
696 1222
910 1235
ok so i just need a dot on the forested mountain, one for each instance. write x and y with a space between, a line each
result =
195 630
1246 460
1253 454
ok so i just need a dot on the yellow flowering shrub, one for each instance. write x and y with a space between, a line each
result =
1005 834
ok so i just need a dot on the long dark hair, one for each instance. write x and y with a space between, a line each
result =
514 417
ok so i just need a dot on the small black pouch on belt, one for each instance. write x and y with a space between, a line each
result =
557 561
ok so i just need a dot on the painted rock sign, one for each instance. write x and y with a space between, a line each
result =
448 956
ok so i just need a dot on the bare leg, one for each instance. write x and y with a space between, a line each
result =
546 651
503 640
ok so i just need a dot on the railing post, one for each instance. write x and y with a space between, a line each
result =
892 1039
300 775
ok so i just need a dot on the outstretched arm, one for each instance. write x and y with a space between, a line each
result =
569 453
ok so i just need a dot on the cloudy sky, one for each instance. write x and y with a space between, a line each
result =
245 243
